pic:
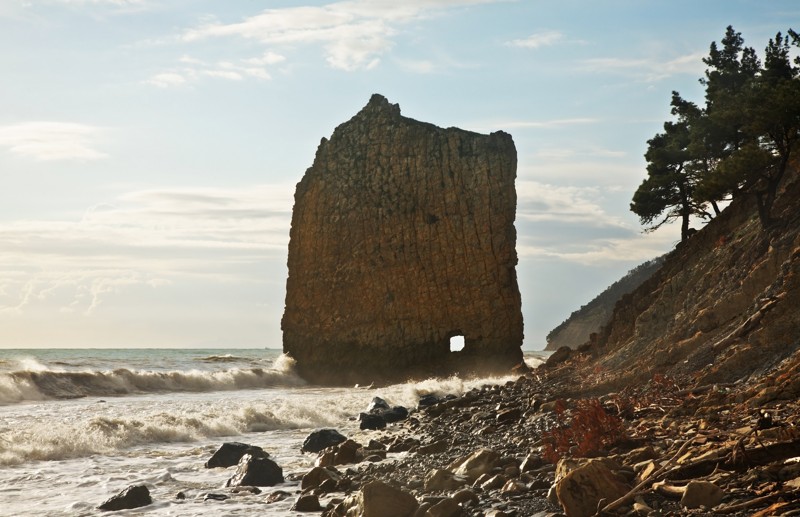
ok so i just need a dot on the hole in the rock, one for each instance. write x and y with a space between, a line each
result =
456 343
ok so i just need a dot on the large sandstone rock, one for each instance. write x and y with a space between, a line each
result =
580 490
442 480
377 499
477 464
402 237
701 494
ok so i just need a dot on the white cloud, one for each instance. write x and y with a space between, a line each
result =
544 124
268 58
191 69
586 166
650 69
52 140
143 239
539 39
353 34
636 248
547 202
573 224
167 79
417 66
224 74
119 3
96 7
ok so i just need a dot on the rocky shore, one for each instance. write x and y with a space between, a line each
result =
557 440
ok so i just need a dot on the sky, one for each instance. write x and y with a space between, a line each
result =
149 149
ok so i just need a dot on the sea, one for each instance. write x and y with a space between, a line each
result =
79 425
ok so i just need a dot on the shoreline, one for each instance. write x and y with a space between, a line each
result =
670 439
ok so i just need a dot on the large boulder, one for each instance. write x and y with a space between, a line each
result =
377 499
701 494
395 414
581 489
403 236
371 421
307 503
319 475
322 439
442 480
477 464
559 356
379 413
230 453
134 496
447 507
256 471
377 405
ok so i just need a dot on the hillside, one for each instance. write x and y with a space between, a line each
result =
723 308
576 329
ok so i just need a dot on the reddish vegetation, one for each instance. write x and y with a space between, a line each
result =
585 430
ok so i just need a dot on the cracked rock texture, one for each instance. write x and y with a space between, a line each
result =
402 237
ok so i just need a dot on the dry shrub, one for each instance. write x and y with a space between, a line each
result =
585 430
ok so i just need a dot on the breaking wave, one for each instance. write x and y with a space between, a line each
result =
37 383
113 432
224 358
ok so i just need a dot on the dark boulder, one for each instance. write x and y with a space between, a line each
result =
278 495
431 400
377 405
318 475
230 453
428 400
371 421
381 408
559 356
256 471
322 439
396 414
132 497
307 503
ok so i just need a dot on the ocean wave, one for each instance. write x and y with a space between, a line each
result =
42 384
225 358
113 432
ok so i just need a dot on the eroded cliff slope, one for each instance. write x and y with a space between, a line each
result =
402 237
724 307
589 319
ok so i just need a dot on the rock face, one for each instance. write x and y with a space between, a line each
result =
403 237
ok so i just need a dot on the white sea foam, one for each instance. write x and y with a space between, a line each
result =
31 364
163 424
17 390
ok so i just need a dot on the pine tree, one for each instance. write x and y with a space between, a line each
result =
668 190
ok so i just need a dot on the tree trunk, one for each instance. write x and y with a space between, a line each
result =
766 198
686 211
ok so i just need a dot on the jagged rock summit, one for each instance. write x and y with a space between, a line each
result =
403 237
